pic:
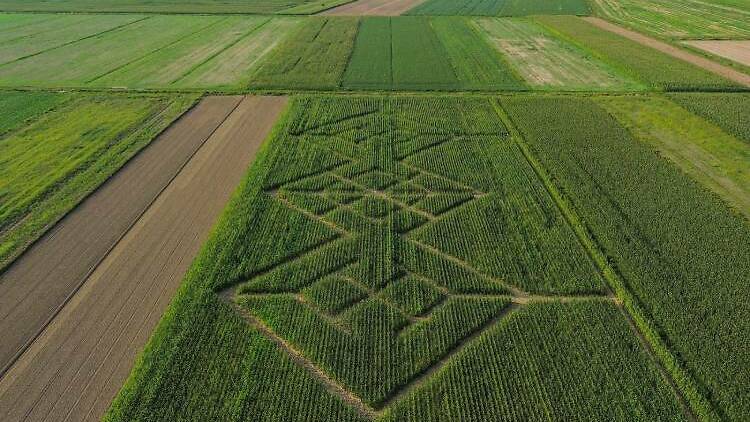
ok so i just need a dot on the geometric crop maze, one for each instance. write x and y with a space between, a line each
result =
369 287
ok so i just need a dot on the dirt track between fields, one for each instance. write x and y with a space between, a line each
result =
738 51
702 62
373 8
74 368
39 282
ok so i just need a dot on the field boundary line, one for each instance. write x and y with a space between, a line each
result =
135 221
716 68
694 404
225 48
47 31
177 41
76 41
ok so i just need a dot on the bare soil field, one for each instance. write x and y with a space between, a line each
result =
738 51
39 282
76 366
719 69
373 8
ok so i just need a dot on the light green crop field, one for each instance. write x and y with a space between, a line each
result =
301 7
314 56
127 51
57 148
547 62
681 19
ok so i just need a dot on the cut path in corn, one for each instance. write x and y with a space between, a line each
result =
719 69
72 364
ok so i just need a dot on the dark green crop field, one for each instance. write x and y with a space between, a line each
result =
397 259
502 7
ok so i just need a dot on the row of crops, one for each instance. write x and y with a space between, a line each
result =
680 251
453 257
175 52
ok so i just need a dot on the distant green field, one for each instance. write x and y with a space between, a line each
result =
546 62
681 19
139 51
640 62
502 7
425 54
49 162
406 248
169 6
314 56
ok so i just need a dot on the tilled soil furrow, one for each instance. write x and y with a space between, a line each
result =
40 281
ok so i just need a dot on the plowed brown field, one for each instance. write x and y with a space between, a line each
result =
73 369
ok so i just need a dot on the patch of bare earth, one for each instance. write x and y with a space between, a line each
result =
73 369
737 51
702 62
373 8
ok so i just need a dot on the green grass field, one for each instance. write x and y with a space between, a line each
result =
61 147
640 62
419 261
681 19
502 7
302 7
711 156
133 51
729 112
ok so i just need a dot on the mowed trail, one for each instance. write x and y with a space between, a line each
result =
41 280
74 368
719 69
373 8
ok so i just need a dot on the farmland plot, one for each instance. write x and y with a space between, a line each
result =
86 61
502 7
174 62
314 56
728 111
665 235
680 19
547 62
167 6
50 164
49 34
379 248
640 62
16 108
425 54
714 158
